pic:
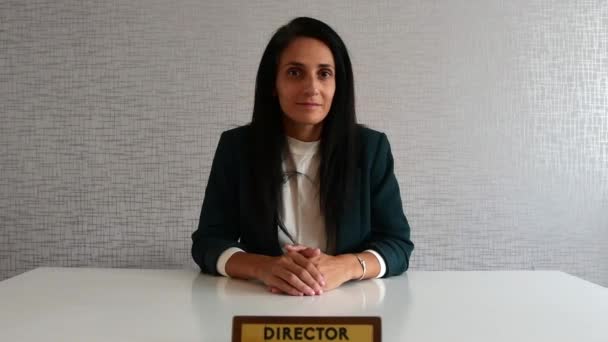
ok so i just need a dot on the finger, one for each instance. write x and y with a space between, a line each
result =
274 290
308 272
290 275
279 286
310 252
289 283
307 252
295 248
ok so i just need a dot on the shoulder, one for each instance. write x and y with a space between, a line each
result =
230 145
372 142
236 134
234 139
369 136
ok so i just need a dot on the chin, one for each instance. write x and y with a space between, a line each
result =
308 118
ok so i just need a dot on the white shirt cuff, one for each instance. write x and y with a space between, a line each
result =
380 261
223 259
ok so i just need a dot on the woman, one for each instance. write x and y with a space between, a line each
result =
303 198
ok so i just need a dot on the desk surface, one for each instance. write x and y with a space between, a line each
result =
70 304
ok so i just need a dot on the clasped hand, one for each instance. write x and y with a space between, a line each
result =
306 271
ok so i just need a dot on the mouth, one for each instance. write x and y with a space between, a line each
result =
308 104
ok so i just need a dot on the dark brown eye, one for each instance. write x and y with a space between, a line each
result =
325 73
293 72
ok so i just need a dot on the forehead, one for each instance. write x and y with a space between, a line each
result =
307 51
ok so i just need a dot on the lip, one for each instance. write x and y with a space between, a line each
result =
308 104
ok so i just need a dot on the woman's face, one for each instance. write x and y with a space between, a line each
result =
305 83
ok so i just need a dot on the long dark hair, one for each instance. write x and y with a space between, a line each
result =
338 146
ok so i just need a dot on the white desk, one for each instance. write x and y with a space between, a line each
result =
68 304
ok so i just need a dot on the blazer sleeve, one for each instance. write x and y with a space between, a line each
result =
218 227
390 231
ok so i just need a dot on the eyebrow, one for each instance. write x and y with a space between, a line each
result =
303 65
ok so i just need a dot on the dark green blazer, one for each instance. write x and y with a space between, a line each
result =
375 219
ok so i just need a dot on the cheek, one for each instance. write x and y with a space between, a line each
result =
330 97
285 92
331 91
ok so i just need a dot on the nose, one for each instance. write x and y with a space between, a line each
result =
311 88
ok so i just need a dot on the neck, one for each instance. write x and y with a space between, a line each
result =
303 132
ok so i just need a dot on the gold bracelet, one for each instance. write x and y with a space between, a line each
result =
363 266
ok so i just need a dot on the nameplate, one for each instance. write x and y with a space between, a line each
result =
309 329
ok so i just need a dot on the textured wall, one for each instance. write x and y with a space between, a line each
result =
497 113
